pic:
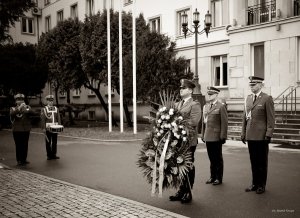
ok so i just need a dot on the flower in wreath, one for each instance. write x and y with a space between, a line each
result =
164 156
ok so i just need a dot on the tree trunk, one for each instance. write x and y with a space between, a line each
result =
104 105
71 120
127 114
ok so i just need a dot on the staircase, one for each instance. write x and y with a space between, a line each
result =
287 119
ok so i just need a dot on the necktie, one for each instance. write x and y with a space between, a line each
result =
254 98
181 104
211 106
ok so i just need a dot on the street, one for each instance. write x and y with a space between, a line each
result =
111 167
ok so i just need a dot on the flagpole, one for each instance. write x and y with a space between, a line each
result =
109 67
134 66
121 67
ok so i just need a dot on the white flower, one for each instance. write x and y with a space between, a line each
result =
184 139
160 110
171 112
173 124
158 134
176 135
157 113
183 132
167 117
163 117
180 126
159 120
161 131
164 108
180 118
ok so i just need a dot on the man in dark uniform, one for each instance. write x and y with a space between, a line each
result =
257 130
191 110
21 126
50 115
214 133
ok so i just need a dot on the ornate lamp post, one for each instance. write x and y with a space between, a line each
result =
185 29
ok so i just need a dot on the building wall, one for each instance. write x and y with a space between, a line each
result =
234 38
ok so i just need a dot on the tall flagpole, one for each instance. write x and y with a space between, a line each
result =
121 67
109 67
134 66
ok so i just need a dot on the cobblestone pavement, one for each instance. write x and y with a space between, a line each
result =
26 194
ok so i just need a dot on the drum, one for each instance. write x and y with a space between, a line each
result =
56 128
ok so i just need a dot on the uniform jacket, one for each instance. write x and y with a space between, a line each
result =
191 110
47 117
262 120
21 120
214 122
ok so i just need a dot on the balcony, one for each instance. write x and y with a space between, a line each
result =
261 13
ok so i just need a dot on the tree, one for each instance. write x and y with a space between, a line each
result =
157 65
10 12
60 49
20 70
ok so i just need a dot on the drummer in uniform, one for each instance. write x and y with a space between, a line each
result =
50 116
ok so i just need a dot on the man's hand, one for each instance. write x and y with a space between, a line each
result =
223 141
243 140
268 139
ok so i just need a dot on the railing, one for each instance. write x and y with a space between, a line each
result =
288 102
261 13
296 7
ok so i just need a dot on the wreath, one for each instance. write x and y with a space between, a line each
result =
164 156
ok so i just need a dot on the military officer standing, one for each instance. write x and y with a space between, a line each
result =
191 110
50 115
21 125
214 134
257 130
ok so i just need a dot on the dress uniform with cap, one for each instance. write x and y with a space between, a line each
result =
46 118
214 134
257 130
21 125
191 110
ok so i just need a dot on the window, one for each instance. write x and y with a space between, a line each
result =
60 16
220 15
179 20
47 23
263 11
111 4
93 84
74 11
187 69
76 93
220 71
127 2
27 25
89 7
296 7
155 24
47 2
258 60
63 94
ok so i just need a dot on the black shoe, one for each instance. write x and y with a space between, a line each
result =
177 197
49 158
55 157
211 180
187 198
251 188
20 163
217 182
26 162
260 190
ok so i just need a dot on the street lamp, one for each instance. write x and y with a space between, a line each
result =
185 29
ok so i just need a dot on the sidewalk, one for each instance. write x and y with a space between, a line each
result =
26 194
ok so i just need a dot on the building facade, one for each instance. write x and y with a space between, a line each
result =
247 37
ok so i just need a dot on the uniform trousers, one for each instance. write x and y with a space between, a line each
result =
188 181
259 151
214 151
21 141
51 144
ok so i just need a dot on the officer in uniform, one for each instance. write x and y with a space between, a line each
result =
257 130
21 126
47 118
214 133
192 111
